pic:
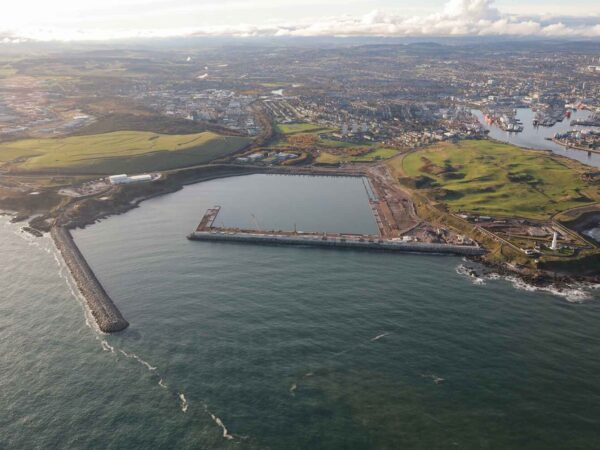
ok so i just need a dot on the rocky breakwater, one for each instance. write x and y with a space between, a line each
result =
106 314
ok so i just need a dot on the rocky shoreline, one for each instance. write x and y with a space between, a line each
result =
540 279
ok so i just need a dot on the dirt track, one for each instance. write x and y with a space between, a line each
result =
395 207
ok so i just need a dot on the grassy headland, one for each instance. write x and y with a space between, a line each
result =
500 180
120 151
486 177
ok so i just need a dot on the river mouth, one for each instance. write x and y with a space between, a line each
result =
539 137
593 233
588 225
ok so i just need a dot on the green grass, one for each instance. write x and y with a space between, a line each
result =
485 177
122 151
295 128
375 155
134 122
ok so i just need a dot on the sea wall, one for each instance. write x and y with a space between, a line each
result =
382 245
107 315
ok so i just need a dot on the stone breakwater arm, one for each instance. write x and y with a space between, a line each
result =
106 314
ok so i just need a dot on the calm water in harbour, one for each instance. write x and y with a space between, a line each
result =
256 347
536 137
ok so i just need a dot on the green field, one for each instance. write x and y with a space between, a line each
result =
121 151
485 177
295 128
375 155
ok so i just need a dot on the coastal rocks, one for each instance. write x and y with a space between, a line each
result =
104 311
33 231
21 217
41 223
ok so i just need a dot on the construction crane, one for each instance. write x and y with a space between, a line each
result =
255 222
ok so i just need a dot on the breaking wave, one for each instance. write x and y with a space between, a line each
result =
572 293
436 379
138 359
107 347
184 402
471 274
219 422
379 336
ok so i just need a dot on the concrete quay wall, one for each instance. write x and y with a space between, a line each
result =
385 245
107 315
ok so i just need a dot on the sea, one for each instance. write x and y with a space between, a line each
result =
239 346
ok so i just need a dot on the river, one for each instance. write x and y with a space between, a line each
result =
536 137
249 347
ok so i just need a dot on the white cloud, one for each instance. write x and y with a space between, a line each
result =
457 18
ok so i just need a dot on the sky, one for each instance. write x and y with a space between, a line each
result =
72 20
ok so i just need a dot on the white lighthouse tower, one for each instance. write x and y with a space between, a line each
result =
554 245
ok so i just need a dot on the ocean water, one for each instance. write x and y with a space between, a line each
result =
254 347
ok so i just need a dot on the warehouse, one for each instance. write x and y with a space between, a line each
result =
125 179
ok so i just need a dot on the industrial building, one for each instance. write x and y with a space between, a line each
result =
126 179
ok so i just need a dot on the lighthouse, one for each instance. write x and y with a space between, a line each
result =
554 245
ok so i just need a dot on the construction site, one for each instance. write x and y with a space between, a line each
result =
399 228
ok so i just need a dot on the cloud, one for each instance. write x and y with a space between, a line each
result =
457 18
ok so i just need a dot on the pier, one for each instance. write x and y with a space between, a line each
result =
209 219
207 232
107 315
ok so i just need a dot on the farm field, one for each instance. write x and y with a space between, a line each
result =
486 177
122 151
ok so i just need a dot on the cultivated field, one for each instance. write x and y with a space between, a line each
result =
122 151
485 177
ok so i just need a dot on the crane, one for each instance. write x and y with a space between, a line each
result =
255 222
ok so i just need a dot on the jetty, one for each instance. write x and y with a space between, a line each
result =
206 231
107 315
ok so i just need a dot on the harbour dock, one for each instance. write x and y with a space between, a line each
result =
107 315
207 232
